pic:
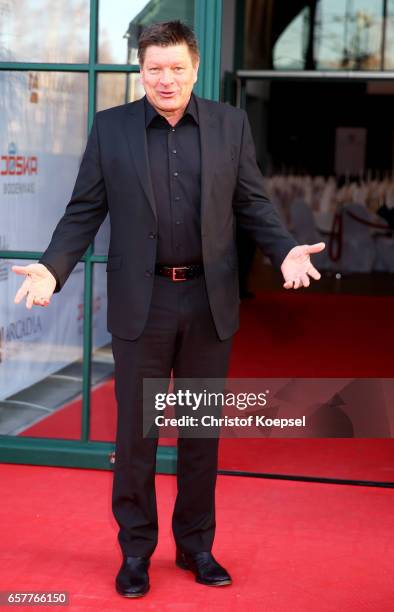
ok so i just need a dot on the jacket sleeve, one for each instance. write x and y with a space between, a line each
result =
255 213
83 216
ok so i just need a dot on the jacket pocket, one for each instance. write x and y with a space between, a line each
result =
114 262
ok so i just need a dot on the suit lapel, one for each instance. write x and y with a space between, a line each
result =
210 149
136 137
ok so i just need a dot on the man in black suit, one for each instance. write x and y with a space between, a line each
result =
175 172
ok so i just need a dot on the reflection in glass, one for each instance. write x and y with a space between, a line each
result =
101 241
42 136
44 31
41 359
289 51
115 88
100 335
119 30
348 34
328 159
389 41
102 398
318 34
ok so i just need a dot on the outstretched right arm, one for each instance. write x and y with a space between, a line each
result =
74 232
84 214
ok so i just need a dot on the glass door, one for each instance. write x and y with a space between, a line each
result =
59 63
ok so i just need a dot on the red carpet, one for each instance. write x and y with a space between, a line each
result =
289 546
315 335
286 334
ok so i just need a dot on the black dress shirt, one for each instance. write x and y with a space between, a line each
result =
175 166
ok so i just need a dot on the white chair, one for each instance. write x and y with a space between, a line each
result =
384 244
303 223
384 261
358 245
303 228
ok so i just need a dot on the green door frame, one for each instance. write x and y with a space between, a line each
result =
84 452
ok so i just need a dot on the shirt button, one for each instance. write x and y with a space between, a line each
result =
174 150
152 235
175 173
178 222
177 198
172 129
148 272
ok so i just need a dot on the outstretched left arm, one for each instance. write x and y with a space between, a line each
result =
297 266
257 215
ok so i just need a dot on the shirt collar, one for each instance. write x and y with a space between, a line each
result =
151 112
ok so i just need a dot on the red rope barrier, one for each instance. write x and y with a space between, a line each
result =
335 238
365 222
336 234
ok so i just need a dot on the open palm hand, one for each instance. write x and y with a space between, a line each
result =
297 266
37 287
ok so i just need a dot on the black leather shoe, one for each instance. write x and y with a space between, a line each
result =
204 566
133 579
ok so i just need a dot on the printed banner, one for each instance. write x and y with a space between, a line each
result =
43 125
39 342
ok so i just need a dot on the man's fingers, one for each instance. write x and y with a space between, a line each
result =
315 248
302 280
29 300
22 291
41 301
33 300
27 289
305 280
20 294
314 273
21 270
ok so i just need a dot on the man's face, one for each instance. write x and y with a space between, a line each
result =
168 75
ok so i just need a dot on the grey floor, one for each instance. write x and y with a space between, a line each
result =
22 410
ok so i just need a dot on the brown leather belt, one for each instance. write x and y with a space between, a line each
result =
179 273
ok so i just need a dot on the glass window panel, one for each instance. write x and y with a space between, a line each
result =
44 31
119 30
328 35
101 241
349 34
113 89
42 136
339 160
103 404
41 359
389 42
289 51
100 335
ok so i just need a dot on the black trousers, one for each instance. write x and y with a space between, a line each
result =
180 336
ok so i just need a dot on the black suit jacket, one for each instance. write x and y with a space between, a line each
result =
114 178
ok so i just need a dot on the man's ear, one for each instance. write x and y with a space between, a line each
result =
196 67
